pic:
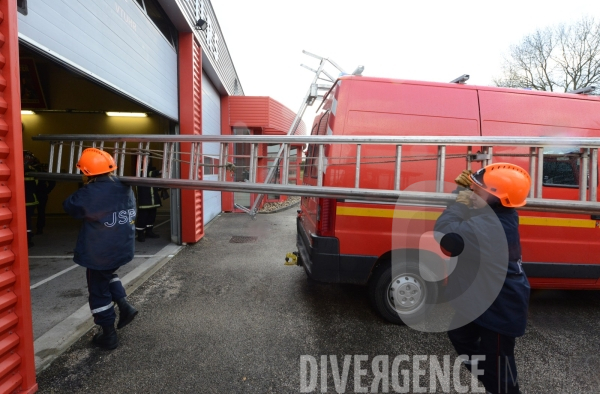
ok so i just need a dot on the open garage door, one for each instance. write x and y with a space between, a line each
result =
64 101
115 43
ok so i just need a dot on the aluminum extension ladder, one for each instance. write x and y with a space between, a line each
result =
164 149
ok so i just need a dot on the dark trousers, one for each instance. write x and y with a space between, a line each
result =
145 218
104 287
499 368
41 213
29 211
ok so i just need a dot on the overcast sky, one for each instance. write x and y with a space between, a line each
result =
422 40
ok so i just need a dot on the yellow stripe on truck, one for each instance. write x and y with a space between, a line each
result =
387 213
556 222
423 215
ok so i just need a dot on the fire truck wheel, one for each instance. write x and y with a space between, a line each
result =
403 299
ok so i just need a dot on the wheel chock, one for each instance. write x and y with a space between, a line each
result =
291 258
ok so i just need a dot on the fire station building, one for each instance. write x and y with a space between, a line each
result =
81 61
114 67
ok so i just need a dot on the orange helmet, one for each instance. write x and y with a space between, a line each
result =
96 162
509 182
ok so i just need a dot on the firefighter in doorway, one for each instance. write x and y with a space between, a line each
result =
42 189
467 224
149 199
105 241
30 163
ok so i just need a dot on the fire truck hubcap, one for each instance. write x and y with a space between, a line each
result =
406 293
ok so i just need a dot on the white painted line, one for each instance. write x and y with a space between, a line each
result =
160 224
53 276
70 256
75 266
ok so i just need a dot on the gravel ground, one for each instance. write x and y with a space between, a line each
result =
271 207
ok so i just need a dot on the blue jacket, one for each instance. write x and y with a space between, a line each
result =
476 238
107 237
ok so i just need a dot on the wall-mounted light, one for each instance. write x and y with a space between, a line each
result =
27 112
201 24
128 114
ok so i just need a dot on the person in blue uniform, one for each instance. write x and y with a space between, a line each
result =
488 199
30 163
106 240
42 190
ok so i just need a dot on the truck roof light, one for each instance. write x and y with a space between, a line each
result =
462 79
358 70
586 90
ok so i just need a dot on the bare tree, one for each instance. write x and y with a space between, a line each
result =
560 58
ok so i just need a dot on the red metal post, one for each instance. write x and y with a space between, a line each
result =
190 123
17 363
226 197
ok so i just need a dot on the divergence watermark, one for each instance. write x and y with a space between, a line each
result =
384 374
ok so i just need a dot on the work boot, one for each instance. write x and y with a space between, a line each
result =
141 235
107 339
150 233
126 312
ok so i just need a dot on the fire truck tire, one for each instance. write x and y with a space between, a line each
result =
404 298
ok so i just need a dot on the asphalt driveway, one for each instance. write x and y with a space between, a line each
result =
227 317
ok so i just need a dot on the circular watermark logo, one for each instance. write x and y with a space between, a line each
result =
448 264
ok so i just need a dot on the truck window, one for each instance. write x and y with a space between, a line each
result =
561 168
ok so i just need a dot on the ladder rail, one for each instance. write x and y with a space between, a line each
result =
580 142
380 195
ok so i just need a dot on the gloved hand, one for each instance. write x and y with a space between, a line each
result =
464 197
463 179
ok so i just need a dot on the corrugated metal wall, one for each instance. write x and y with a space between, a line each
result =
17 366
190 75
248 111
272 116
281 118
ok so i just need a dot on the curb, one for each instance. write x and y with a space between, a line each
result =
60 337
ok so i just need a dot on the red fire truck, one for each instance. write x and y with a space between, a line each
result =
345 241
